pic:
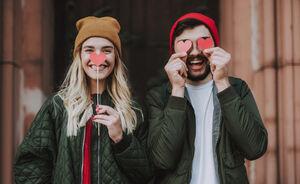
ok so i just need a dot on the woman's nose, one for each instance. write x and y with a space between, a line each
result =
98 51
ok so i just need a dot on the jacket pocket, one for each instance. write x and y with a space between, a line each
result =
234 170
233 160
182 167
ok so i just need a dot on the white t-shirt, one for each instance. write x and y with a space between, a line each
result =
203 170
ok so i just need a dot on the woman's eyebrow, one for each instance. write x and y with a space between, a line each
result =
92 47
89 46
108 47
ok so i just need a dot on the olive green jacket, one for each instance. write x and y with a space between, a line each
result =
238 133
47 155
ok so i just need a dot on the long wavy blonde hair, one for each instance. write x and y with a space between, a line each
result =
75 94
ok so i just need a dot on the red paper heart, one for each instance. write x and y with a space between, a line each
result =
97 59
184 45
205 43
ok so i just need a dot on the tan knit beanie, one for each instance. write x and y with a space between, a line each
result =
105 27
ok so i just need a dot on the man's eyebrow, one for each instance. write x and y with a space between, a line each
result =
205 37
184 39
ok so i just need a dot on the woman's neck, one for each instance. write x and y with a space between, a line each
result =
101 86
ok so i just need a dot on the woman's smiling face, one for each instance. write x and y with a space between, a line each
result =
98 45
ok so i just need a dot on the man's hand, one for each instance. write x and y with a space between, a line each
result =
219 60
177 72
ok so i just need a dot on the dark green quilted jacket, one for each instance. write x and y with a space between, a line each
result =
238 133
47 155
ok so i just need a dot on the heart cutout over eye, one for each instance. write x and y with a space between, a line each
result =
205 43
184 45
97 59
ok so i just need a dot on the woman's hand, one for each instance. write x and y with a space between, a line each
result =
111 119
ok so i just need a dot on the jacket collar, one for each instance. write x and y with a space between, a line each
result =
169 87
104 98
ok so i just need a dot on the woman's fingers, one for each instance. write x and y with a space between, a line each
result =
103 117
101 121
103 109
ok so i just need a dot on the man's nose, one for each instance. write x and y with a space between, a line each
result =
195 50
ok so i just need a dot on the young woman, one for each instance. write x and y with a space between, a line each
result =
90 131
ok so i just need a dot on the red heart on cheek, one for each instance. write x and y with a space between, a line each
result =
205 43
97 59
184 45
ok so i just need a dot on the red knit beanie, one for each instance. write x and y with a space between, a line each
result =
210 24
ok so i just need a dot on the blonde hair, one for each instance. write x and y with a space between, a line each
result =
75 94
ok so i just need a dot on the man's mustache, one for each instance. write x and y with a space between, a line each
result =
199 57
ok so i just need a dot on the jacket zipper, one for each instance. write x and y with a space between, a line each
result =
218 159
193 151
99 167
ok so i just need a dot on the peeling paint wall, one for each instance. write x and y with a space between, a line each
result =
255 35
25 77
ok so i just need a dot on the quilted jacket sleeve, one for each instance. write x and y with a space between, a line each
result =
167 127
36 155
132 155
243 121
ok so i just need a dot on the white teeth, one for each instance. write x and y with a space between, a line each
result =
94 67
195 62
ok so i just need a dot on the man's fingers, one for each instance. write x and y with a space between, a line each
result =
180 67
212 68
217 51
210 51
185 74
179 62
177 55
219 58
218 63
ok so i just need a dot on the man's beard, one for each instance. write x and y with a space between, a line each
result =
204 60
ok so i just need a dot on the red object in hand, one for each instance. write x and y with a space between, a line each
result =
184 45
205 43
